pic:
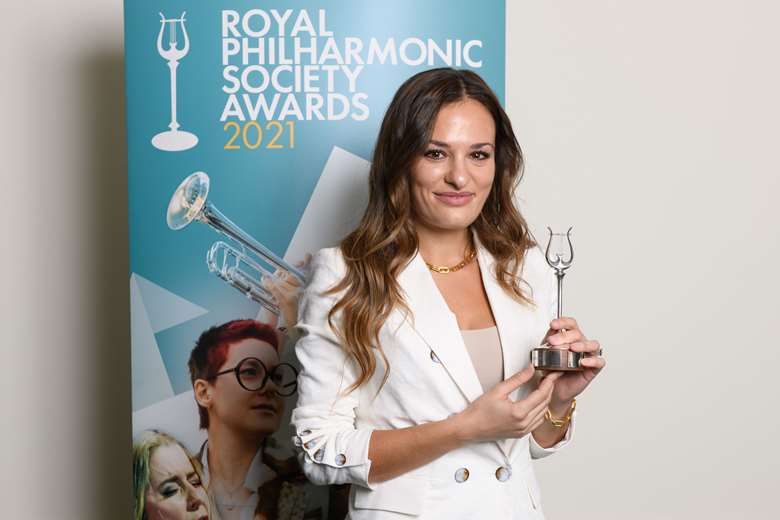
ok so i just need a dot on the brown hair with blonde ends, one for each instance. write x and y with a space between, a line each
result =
385 239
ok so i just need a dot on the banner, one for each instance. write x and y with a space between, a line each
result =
250 130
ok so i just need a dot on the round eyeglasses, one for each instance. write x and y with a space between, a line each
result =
252 375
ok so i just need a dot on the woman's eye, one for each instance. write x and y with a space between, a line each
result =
481 155
169 490
434 154
195 481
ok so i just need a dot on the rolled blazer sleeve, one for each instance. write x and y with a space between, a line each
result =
332 450
538 452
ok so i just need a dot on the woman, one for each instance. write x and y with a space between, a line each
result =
240 386
167 480
416 331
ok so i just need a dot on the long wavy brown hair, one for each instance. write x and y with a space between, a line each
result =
385 239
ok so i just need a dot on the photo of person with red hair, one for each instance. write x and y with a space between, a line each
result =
240 386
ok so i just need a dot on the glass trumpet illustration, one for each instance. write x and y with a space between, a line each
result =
173 139
240 267
559 255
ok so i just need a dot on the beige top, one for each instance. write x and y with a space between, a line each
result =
484 346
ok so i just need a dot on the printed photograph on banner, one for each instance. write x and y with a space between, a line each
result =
251 127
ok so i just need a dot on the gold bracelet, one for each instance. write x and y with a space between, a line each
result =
560 423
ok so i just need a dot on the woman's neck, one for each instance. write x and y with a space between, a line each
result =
443 246
230 455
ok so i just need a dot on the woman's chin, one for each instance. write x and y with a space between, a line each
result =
264 425
449 222
456 224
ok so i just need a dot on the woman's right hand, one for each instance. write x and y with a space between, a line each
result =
286 289
495 416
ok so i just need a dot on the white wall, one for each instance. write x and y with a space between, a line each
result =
652 128
649 126
65 388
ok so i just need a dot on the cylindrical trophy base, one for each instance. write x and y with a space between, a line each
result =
544 358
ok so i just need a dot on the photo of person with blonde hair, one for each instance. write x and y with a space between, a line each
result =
167 480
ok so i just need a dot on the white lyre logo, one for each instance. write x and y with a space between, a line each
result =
173 140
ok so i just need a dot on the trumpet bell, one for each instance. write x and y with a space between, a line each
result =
188 201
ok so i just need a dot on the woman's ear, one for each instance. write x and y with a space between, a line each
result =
202 390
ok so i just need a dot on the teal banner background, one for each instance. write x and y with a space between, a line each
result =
266 190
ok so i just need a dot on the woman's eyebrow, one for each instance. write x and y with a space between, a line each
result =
475 145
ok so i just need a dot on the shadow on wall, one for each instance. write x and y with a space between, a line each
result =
106 225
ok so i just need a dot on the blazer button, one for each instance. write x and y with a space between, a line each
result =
434 357
503 473
318 455
462 475
341 459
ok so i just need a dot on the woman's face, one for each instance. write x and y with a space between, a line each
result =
453 177
255 413
175 491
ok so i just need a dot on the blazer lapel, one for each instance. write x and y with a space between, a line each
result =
437 326
513 321
512 318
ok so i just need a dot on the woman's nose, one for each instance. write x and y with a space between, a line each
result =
457 174
270 388
194 501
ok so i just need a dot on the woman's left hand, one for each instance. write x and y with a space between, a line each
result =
565 333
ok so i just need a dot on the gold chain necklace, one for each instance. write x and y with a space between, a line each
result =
443 269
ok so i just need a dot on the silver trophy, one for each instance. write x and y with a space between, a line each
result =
173 140
546 358
239 267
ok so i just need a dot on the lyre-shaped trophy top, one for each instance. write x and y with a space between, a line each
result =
556 260
172 53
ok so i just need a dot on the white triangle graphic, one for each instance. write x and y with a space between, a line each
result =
164 308
153 309
338 199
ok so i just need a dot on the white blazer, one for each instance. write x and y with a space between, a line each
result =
431 377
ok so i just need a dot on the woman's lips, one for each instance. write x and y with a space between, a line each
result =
265 408
452 198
